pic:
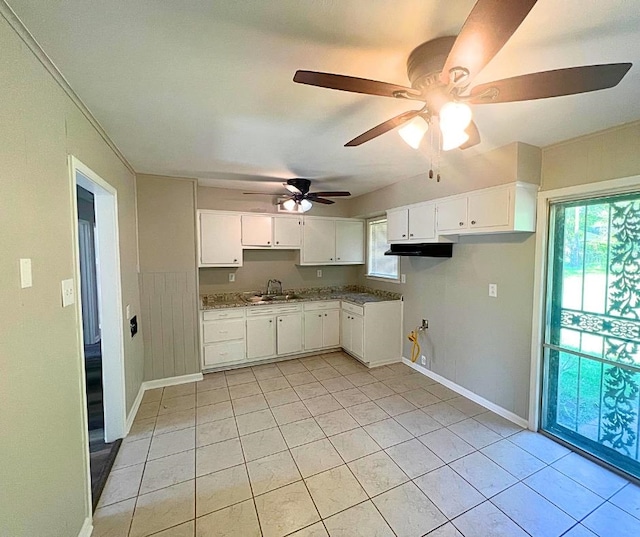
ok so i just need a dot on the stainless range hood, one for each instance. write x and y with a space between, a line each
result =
438 249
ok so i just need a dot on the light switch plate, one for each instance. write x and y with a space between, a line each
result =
68 293
493 290
403 278
319 273
232 277
26 279
128 311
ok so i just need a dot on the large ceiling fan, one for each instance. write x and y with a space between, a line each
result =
301 200
442 69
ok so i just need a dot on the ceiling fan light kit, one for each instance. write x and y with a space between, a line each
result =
300 199
441 70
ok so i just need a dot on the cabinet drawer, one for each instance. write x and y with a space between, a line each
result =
229 313
273 310
222 353
352 308
222 330
322 305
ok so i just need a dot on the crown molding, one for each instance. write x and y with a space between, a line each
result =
14 21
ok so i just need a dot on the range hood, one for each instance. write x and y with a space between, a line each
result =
438 249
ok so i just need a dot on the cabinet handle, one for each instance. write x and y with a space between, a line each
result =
270 320
223 353
223 331
338 259
410 234
277 242
223 315
473 222
331 259
319 315
461 223
403 235
235 260
280 320
268 242
325 314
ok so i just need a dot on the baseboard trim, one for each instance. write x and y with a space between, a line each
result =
87 528
171 381
152 385
134 410
506 414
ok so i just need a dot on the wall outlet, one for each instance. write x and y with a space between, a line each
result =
319 273
423 360
128 311
493 290
403 278
68 293
232 277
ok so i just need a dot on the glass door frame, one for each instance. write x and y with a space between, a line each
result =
539 319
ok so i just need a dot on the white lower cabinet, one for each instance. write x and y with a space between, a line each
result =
372 332
238 336
261 337
289 333
321 325
223 337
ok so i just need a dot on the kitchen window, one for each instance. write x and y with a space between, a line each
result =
379 265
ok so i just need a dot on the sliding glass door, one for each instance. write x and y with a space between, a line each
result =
591 386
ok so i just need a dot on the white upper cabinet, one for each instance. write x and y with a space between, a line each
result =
452 215
319 241
349 241
499 209
263 231
416 223
287 232
330 241
220 239
257 230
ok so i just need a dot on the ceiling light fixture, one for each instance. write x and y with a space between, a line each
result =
453 139
305 205
454 117
296 206
413 131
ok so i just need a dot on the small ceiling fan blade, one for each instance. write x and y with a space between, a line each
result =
322 200
474 136
382 128
353 84
488 27
551 83
292 189
261 193
331 193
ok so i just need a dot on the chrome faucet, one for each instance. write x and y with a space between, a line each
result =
274 287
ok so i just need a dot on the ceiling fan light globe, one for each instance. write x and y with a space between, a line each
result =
305 205
413 131
454 117
453 139
289 205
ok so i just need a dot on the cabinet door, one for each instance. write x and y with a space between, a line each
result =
489 209
422 222
223 353
452 215
349 241
220 241
397 225
261 337
287 232
319 241
313 330
357 335
289 333
256 230
331 328
345 330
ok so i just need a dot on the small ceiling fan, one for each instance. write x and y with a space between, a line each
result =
441 70
301 200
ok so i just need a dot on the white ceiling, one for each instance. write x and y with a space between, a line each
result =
204 88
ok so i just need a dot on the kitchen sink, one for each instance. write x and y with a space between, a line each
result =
255 298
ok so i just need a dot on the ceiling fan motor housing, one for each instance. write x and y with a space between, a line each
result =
426 62
303 185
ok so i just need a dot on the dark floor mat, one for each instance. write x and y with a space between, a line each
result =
102 459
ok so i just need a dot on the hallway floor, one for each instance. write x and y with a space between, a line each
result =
322 446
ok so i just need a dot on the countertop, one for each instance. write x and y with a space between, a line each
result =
356 294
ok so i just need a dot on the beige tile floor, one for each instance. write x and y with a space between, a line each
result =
322 446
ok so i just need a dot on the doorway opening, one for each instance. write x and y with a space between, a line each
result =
591 349
100 330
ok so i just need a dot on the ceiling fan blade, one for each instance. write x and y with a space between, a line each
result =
261 193
474 136
322 200
383 127
488 27
292 189
331 194
551 83
353 84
